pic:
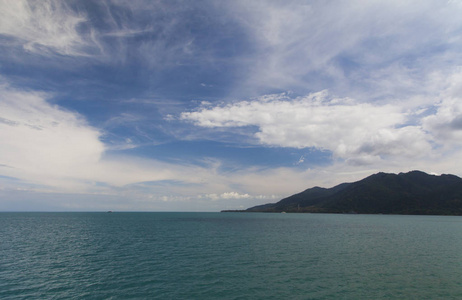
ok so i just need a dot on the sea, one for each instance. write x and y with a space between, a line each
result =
126 255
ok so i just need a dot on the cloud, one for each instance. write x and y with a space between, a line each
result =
236 196
373 49
48 149
228 195
106 32
393 66
44 26
343 126
446 123
46 145
368 50
40 140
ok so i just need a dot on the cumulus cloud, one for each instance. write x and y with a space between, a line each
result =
343 126
46 145
446 122
41 140
49 149
237 196
228 195
46 148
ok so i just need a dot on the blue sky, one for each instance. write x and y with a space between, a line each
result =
210 105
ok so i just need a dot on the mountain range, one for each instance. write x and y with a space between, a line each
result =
414 192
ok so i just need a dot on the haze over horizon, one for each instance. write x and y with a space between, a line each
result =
211 105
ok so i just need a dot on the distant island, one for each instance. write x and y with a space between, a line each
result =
412 193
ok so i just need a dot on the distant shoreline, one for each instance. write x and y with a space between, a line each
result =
412 193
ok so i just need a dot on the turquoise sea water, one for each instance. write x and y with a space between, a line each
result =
229 256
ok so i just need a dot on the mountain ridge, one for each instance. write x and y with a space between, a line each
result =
414 192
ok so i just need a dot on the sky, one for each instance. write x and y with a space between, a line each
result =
209 105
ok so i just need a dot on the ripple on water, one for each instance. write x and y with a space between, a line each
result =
228 256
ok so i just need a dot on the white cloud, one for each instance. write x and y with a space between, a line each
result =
228 195
111 32
40 140
236 196
47 149
46 145
446 124
366 49
300 160
346 128
43 26
397 61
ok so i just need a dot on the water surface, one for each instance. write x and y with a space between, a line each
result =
229 256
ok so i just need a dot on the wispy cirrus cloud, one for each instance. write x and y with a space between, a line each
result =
45 27
105 32
366 50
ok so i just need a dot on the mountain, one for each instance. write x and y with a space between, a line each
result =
405 193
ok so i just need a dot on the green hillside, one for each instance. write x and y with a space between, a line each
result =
406 193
